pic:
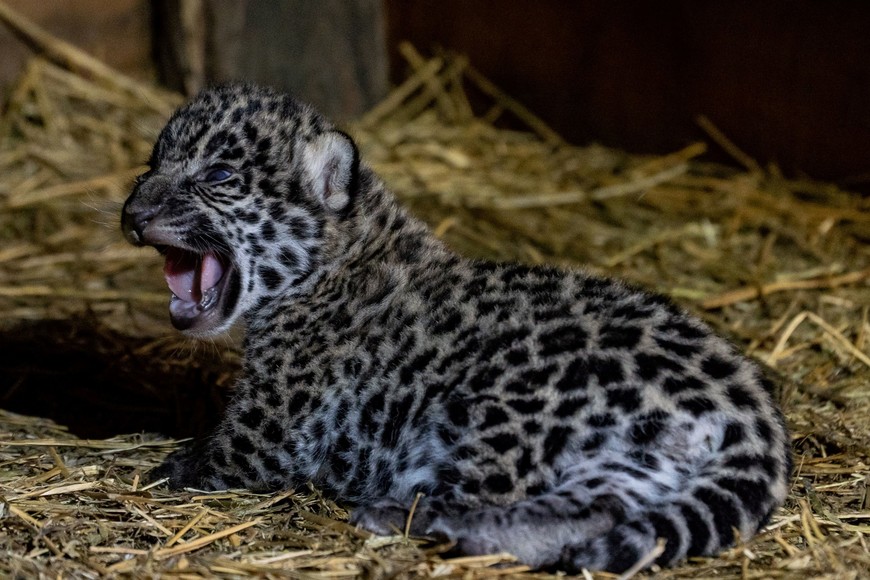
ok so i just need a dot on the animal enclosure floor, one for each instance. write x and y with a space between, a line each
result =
780 265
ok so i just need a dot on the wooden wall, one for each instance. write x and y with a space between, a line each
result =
788 80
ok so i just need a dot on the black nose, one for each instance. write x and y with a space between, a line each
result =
135 219
144 203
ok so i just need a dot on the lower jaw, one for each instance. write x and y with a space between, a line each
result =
205 317
188 315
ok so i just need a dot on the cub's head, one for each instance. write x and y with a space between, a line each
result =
242 183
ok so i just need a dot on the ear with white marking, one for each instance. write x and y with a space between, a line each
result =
330 162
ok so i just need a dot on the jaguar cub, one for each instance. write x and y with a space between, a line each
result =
569 419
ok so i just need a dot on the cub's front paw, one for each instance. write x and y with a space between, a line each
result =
387 517
182 468
384 518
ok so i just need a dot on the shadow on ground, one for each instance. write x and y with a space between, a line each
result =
101 383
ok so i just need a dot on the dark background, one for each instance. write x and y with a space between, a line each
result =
787 80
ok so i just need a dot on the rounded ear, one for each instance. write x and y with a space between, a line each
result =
330 162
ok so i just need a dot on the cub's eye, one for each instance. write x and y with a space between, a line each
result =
216 174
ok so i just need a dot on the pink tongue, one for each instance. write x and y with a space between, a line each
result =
190 275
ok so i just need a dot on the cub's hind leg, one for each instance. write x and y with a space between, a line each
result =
536 530
588 502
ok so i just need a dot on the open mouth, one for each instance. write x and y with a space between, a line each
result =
199 283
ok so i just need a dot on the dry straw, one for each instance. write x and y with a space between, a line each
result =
781 265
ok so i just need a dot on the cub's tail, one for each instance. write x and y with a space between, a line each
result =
734 496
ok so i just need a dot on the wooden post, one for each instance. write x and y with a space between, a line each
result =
329 52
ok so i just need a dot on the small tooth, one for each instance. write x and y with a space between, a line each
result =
208 298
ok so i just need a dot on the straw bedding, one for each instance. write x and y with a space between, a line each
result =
780 265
